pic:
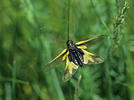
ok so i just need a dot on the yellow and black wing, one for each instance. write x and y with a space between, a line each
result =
91 41
61 56
90 58
70 69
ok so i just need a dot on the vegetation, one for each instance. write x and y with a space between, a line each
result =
33 32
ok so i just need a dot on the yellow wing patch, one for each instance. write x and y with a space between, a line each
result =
92 40
70 69
90 58
82 47
64 57
62 53
57 58
81 42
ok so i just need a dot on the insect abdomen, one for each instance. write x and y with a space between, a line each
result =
76 57
79 55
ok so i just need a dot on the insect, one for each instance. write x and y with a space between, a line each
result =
76 55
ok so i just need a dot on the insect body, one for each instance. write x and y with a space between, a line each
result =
76 55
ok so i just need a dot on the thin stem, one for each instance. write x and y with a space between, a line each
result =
68 21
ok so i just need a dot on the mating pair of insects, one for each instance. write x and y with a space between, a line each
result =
76 55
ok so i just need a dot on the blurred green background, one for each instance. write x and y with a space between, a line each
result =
33 32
